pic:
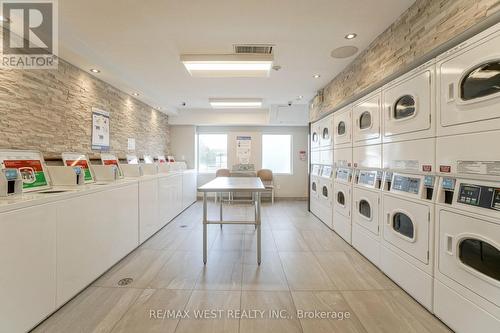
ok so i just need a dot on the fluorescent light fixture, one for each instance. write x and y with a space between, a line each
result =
135 94
236 103
228 65
316 76
352 35
93 70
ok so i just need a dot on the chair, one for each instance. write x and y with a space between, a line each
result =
222 173
266 176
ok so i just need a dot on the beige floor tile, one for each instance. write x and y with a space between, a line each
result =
180 272
337 315
222 322
350 275
267 241
289 240
142 266
149 312
94 310
391 311
262 305
269 275
223 271
303 272
324 240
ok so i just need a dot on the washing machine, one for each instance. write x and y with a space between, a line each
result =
408 105
314 202
366 116
326 132
342 197
366 211
468 80
325 193
342 127
467 265
408 233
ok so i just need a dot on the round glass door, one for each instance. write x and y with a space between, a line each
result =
480 256
481 81
365 120
402 223
325 191
341 128
341 198
404 107
326 134
365 209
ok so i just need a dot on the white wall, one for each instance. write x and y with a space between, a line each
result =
293 185
182 144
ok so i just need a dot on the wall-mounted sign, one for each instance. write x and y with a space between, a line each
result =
148 159
81 160
30 165
110 159
100 129
162 159
131 144
302 155
243 149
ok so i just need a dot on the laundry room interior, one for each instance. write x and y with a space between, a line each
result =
250 166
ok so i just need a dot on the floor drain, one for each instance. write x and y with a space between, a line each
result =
125 282
183 226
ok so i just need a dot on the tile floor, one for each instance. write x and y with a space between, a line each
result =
305 267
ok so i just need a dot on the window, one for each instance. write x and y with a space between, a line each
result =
365 209
365 120
212 152
405 107
403 224
481 81
341 128
277 153
481 256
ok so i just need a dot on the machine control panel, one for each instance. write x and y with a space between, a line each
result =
316 170
429 181
448 184
406 184
479 196
343 174
327 171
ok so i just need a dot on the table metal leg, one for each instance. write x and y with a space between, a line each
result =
220 213
205 228
258 229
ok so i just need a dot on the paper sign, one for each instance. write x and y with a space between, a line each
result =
30 166
243 149
162 159
100 129
148 159
110 159
81 160
131 143
132 159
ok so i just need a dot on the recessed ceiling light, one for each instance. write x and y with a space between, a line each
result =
352 35
93 70
228 65
300 97
316 76
135 94
236 103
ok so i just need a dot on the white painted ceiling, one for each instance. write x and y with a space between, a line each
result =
136 44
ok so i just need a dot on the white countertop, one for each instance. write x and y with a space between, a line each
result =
233 184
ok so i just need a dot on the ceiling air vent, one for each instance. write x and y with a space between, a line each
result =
253 49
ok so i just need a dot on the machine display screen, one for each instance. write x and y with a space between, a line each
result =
469 195
367 178
448 183
10 174
343 174
406 184
429 181
496 200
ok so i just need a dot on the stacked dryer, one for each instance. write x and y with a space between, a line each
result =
342 187
367 162
467 267
322 169
409 184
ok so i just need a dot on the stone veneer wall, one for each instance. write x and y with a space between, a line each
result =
51 111
426 25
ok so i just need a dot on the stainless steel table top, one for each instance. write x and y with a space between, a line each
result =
233 184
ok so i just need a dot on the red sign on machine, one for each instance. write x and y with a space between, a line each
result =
445 168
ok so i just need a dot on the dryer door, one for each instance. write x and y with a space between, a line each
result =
407 226
366 209
407 108
326 131
315 135
342 129
469 87
342 199
469 253
325 192
314 186
366 116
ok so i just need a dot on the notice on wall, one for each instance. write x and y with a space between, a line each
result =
100 129
30 166
148 159
131 144
81 160
243 149
132 159
110 159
